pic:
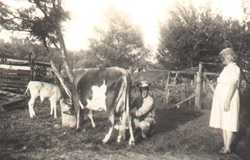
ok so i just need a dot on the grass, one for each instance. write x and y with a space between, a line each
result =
178 134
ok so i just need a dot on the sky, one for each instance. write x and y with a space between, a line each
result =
146 14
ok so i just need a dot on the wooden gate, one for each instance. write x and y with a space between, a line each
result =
167 81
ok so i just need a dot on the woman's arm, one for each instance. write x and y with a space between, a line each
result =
230 94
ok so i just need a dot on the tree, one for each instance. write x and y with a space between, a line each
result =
121 44
42 21
22 48
190 36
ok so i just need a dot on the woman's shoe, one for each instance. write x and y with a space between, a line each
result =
224 151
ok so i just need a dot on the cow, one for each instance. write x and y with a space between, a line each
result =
104 89
44 90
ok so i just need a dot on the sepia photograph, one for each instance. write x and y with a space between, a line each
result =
124 79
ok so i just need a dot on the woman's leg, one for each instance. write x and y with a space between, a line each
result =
229 135
224 135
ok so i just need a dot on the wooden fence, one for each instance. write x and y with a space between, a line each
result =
16 73
199 81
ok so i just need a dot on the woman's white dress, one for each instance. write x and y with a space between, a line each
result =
219 118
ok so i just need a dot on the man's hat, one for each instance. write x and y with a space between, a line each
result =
143 84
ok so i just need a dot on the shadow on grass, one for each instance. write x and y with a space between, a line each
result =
168 120
241 144
41 135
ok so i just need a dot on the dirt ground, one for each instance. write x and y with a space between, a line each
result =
179 135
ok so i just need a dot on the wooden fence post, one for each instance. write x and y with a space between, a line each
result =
167 88
3 59
198 88
31 66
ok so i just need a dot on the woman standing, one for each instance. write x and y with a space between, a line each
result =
226 101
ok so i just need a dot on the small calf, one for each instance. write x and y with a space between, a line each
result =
44 90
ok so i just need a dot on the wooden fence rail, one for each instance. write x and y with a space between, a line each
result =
16 73
14 77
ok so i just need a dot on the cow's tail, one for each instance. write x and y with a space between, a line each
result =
121 97
28 87
127 98
127 107
81 105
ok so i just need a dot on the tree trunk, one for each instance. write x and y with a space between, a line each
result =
60 78
57 73
65 57
75 97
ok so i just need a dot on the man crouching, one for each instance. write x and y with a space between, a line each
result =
143 112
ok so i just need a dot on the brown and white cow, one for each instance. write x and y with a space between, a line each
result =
106 90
